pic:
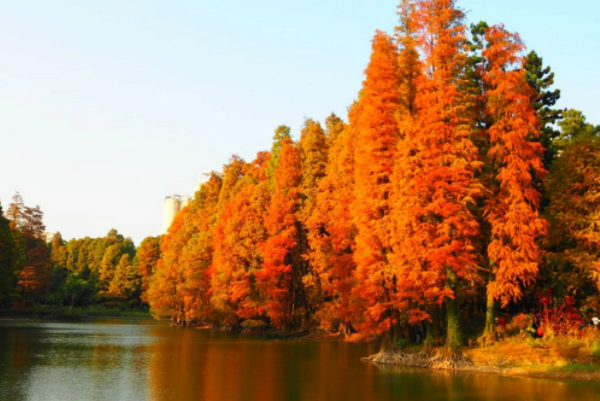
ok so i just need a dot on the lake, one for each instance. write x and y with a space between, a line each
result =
120 359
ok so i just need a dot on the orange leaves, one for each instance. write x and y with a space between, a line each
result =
236 258
375 223
434 175
180 286
275 280
376 131
512 208
331 231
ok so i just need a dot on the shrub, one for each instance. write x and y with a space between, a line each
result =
251 324
400 343
518 324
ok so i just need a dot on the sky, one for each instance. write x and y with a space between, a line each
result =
106 107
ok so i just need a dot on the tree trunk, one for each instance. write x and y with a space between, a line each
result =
346 329
437 323
429 334
386 342
454 334
489 329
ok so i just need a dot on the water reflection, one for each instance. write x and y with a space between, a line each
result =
147 360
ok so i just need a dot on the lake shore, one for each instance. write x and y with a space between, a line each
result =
549 359
507 359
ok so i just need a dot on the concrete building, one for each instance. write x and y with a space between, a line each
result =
173 205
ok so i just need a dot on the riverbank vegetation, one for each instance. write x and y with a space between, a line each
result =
66 280
455 199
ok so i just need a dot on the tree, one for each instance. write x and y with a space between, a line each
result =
573 125
331 231
58 251
34 266
434 178
126 281
573 187
512 201
409 63
198 252
73 287
164 289
114 247
279 251
282 133
146 259
109 263
376 136
313 153
543 100
333 127
180 286
237 257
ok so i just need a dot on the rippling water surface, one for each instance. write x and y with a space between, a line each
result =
116 359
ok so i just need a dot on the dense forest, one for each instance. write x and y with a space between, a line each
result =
105 271
456 190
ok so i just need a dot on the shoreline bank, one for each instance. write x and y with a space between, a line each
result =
527 368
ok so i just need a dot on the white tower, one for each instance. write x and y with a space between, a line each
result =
173 205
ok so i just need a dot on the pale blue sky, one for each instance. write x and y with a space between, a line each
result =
108 106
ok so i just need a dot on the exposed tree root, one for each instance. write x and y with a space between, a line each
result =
399 358
426 360
449 361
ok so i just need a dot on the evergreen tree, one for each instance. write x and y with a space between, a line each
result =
543 99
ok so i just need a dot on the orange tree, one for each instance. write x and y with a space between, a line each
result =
280 251
514 157
436 172
376 131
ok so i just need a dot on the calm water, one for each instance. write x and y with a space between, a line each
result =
147 360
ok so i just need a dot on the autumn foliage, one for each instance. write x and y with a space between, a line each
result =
429 198
452 192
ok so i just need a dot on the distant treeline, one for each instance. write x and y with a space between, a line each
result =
81 272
